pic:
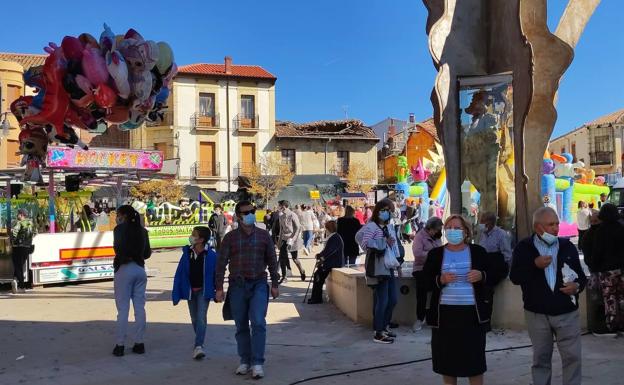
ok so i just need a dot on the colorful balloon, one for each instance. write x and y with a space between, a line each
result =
94 66
165 57
105 97
118 70
72 48
107 39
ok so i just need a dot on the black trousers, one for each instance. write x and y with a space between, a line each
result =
421 295
19 256
317 287
283 258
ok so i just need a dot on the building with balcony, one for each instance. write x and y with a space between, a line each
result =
219 118
598 144
12 67
325 147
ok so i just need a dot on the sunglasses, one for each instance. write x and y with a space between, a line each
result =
252 211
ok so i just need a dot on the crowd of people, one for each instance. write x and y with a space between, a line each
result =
456 269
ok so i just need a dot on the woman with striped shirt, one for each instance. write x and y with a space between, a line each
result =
378 237
460 276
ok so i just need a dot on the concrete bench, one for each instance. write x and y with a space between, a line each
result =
347 290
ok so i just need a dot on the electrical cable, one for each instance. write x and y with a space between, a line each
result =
352 371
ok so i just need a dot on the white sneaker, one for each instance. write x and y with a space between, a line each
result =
305 250
257 372
14 287
242 369
198 353
418 325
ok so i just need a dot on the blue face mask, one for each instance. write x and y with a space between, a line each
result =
384 216
549 238
249 219
454 236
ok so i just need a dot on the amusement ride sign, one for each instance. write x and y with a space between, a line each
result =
104 159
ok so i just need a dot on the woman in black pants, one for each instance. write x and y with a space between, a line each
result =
348 226
331 256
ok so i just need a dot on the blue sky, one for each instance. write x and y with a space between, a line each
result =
368 56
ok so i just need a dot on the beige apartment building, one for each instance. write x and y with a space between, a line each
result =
220 118
598 144
12 67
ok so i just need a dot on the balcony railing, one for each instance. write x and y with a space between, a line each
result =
246 122
245 168
202 121
201 170
601 158
166 119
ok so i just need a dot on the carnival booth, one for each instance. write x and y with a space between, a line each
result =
72 246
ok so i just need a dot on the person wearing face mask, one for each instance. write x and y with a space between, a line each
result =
194 282
248 252
548 270
290 240
425 240
460 276
330 257
377 238
132 248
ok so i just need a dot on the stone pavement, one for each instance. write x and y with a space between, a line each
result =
64 335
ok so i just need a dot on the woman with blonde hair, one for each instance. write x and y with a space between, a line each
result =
460 276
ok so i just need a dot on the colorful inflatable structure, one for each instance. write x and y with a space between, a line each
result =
565 184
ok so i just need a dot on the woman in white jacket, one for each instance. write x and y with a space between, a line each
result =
378 239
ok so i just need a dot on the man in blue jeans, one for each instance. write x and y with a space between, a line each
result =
248 251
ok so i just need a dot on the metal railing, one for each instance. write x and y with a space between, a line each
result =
166 120
201 169
204 121
246 122
245 168
601 158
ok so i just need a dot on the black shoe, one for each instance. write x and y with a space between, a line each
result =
303 276
393 325
138 348
314 301
118 351
381 338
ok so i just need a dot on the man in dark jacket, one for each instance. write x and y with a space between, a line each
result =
550 274
218 224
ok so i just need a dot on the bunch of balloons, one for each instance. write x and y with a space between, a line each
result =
89 84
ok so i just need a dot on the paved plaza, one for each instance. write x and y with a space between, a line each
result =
64 335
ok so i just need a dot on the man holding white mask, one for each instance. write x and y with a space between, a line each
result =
247 252
549 271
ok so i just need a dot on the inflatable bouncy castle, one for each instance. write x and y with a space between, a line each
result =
564 184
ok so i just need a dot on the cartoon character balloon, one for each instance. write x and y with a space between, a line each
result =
88 83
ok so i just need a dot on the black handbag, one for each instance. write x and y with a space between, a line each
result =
371 259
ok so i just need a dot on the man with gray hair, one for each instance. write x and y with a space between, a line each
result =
493 238
551 277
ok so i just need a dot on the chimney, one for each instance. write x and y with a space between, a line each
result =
228 65
412 118
391 129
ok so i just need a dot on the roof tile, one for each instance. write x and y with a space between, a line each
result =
27 60
616 117
339 129
238 71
